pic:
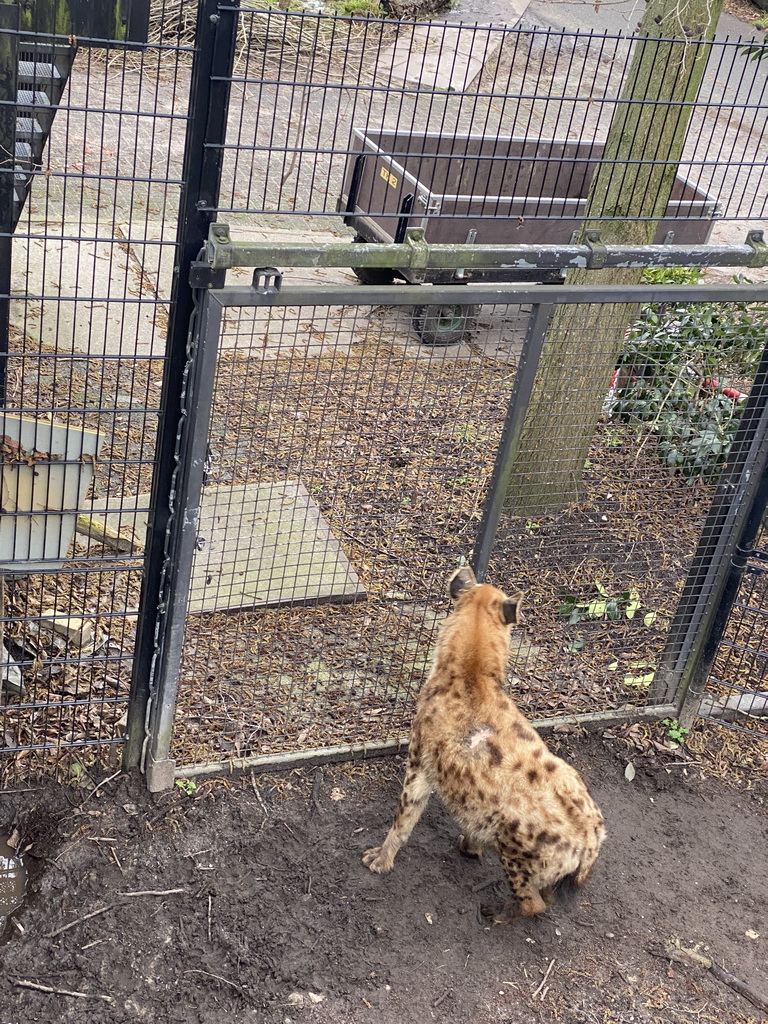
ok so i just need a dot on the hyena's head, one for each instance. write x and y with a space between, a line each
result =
465 590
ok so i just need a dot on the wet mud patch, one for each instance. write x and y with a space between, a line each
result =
244 900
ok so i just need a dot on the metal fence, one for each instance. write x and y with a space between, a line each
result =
350 463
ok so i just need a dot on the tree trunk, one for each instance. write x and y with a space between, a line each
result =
634 180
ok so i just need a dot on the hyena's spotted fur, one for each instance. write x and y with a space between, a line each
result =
496 776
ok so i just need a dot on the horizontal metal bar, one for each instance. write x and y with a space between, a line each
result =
224 254
389 748
484 294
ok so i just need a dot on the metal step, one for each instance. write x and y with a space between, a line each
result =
31 103
28 130
58 55
23 151
42 77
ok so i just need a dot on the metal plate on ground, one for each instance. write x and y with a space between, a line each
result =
265 546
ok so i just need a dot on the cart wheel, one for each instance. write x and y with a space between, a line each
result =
444 325
372 275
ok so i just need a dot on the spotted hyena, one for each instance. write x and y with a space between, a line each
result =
496 776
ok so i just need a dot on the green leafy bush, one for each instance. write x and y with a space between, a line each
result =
671 376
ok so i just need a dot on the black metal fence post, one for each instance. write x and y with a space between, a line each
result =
683 667
206 132
744 548
9 24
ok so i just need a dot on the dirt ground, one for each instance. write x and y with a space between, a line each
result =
245 901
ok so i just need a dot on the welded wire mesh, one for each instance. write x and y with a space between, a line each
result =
376 449
93 244
738 684
349 467
482 127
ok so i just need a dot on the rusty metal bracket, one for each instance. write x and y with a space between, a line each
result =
598 254
756 242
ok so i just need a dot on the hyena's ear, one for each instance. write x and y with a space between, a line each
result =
512 609
460 581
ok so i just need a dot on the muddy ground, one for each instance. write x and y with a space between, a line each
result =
245 901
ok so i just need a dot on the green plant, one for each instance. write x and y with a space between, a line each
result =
671 275
187 786
532 526
356 8
605 606
675 732
670 379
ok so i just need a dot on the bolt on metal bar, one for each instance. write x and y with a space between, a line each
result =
415 253
525 380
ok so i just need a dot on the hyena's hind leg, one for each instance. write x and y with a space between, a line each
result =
413 800
518 872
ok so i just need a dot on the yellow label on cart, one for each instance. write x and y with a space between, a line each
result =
390 179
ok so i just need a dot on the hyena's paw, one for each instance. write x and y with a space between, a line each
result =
377 860
468 848
497 912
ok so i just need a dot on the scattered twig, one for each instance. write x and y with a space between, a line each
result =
441 998
484 885
675 951
89 526
218 977
210 900
544 979
318 778
72 924
102 783
24 983
152 892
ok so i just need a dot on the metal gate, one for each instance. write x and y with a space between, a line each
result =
335 470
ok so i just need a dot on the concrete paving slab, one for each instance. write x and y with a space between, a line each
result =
264 545
107 307
444 58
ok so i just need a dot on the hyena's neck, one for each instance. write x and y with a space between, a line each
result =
474 659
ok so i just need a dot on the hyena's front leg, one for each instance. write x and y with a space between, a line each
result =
413 800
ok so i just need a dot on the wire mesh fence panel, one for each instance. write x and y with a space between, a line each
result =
479 128
738 684
90 286
349 466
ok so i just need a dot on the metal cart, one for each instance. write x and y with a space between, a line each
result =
464 189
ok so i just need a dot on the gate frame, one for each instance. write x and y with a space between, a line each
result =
733 499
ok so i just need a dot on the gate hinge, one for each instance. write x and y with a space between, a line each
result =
598 254
202 275
756 242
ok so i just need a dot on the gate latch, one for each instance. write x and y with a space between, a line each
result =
267 281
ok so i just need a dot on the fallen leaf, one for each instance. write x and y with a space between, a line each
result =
337 794
752 934
643 680
629 771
